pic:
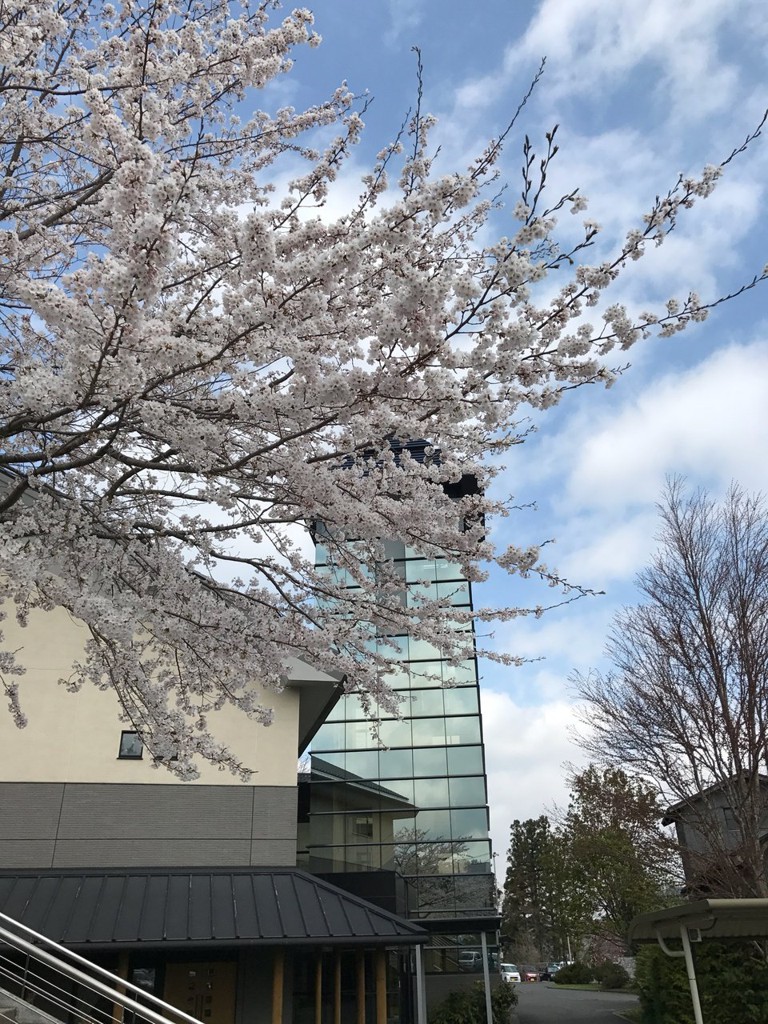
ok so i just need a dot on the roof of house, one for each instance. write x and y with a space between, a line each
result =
196 907
672 812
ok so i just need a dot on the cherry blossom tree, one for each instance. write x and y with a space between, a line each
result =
198 370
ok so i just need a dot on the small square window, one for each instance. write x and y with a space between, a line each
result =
131 747
363 826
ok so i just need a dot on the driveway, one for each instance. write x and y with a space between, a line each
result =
546 1003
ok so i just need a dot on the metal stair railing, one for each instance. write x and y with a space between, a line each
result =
45 980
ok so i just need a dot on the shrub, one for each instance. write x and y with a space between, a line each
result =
611 975
577 973
732 979
468 1007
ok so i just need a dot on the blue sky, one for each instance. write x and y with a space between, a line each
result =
642 90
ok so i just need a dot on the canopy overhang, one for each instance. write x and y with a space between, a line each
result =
696 921
713 919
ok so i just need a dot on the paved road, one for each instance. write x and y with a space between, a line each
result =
545 1003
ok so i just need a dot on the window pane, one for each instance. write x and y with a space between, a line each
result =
463 672
469 791
429 762
473 858
461 700
358 736
433 825
426 702
394 733
327 762
432 859
395 763
471 823
458 592
462 730
428 732
448 570
327 797
131 748
421 650
419 592
474 892
329 737
351 708
431 793
363 763
435 894
401 789
426 673
465 761
420 570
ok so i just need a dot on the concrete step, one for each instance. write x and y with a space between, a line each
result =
17 1011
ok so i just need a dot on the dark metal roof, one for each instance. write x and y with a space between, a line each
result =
155 908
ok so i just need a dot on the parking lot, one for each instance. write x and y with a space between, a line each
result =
546 1003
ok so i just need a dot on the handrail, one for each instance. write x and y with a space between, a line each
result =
116 987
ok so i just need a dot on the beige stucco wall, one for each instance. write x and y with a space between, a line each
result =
75 737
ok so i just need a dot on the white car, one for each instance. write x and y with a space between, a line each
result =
510 972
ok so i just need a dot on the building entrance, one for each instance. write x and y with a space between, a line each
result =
205 990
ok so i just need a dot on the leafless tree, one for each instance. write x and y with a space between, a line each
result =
686 703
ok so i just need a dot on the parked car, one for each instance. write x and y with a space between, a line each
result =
470 960
548 972
510 972
530 974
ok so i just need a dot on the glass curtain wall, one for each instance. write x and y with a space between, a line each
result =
418 802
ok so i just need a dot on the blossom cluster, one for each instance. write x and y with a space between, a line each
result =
196 372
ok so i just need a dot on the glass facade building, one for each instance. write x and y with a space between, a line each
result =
416 801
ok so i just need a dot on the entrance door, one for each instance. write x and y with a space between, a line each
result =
204 990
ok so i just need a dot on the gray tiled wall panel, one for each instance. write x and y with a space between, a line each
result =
25 853
274 812
29 810
84 825
147 853
273 853
170 812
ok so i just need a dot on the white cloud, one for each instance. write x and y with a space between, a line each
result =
405 16
593 44
709 422
526 750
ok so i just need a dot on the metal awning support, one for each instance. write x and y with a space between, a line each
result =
486 980
689 966
702 919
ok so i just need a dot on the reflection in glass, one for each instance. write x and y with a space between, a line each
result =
434 824
431 792
462 730
462 672
469 823
465 761
462 700
395 763
426 702
429 762
429 732
395 733
474 858
467 791
330 737
363 763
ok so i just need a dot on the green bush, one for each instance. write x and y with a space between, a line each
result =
468 1007
611 976
732 980
577 973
